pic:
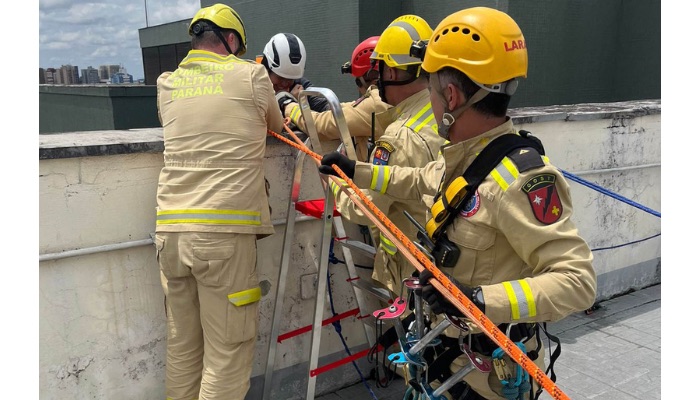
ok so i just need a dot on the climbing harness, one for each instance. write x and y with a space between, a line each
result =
448 289
448 202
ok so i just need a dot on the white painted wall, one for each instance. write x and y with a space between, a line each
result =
102 332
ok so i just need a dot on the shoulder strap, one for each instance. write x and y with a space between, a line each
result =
487 160
494 152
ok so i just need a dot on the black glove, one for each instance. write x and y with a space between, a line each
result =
437 302
345 164
283 99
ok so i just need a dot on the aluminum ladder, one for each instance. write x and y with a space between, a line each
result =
332 221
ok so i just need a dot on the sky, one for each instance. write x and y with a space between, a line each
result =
96 32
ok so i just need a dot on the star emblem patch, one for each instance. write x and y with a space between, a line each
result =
544 198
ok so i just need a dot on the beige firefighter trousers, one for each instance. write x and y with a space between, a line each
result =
210 341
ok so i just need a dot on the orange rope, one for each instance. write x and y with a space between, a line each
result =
440 282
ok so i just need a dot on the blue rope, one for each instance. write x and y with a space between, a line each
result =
618 197
336 324
626 244
609 193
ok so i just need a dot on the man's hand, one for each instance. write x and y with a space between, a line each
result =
345 164
296 90
437 302
283 99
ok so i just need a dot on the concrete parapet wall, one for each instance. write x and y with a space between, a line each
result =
102 321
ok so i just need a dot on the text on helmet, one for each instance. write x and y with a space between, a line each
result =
515 45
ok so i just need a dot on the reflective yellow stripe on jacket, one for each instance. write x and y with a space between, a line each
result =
216 217
204 56
422 118
335 188
387 245
380 178
522 302
295 114
506 172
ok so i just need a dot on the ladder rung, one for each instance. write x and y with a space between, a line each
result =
325 322
357 245
345 360
379 292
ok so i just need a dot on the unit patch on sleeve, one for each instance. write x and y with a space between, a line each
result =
359 100
382 151
472 206
544 198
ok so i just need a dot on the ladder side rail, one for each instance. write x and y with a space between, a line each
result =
370 334
321 287
337 113
282 277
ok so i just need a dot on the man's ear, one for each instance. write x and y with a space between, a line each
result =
453 96
391 74
234 40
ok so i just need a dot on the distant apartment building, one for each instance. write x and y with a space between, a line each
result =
90 76
68 75
51 76
122 77
106 71
72 75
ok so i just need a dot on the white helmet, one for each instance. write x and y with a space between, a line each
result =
285 55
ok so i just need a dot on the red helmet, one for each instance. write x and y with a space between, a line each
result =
360 63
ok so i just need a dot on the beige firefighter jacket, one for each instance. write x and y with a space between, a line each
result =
411 140
215 113
358 117
516 236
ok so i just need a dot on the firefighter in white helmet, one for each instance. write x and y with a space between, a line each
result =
410 140
215 109
284 57
359 114
512 246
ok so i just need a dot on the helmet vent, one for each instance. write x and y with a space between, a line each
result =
476 37
466 31
294 48
362 53
455 28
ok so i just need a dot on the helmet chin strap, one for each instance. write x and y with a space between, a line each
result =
382 84
450 116
221 37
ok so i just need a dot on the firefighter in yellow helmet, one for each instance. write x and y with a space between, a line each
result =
410 140
512 246
359 114
215 109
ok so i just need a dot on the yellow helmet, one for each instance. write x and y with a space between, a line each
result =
485 44
224 17
394 44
